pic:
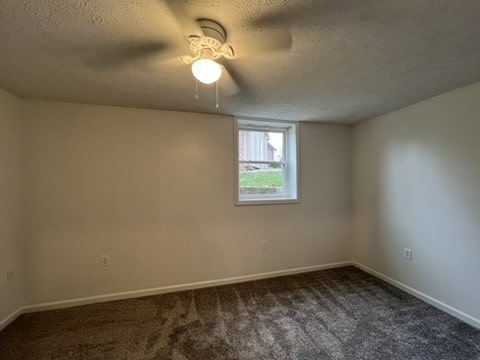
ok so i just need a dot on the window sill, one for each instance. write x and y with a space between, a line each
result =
267 202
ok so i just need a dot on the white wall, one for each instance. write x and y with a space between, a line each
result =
11 292
155 191
417 185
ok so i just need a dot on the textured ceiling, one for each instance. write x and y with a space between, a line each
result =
350 60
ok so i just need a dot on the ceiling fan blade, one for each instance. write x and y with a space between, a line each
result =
117 56
188 25
162 64
267 42
188 59
227 84
286 15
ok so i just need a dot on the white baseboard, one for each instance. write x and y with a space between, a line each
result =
162 290
428 299
166 289
10 318
237 279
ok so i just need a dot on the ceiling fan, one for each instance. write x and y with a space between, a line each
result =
211 54
209 47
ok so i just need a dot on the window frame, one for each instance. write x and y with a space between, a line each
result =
291 173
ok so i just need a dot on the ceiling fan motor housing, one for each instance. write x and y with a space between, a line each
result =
212 44
213 30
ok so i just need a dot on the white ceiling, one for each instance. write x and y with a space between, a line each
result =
350 60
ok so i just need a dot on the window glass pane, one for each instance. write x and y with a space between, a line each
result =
260 145
257 178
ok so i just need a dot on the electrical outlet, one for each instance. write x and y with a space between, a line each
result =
407 253
10 275
264 244
105 260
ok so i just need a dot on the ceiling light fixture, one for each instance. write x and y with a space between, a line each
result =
206 71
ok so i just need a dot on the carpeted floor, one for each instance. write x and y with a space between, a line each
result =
332 314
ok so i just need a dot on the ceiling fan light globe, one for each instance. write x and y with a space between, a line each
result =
206 71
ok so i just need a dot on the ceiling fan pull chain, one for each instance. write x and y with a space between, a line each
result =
196 96
216 94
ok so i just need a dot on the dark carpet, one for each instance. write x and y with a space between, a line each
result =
332 314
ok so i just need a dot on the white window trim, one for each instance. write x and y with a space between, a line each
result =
272 198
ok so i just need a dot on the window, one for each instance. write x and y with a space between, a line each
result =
266 161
